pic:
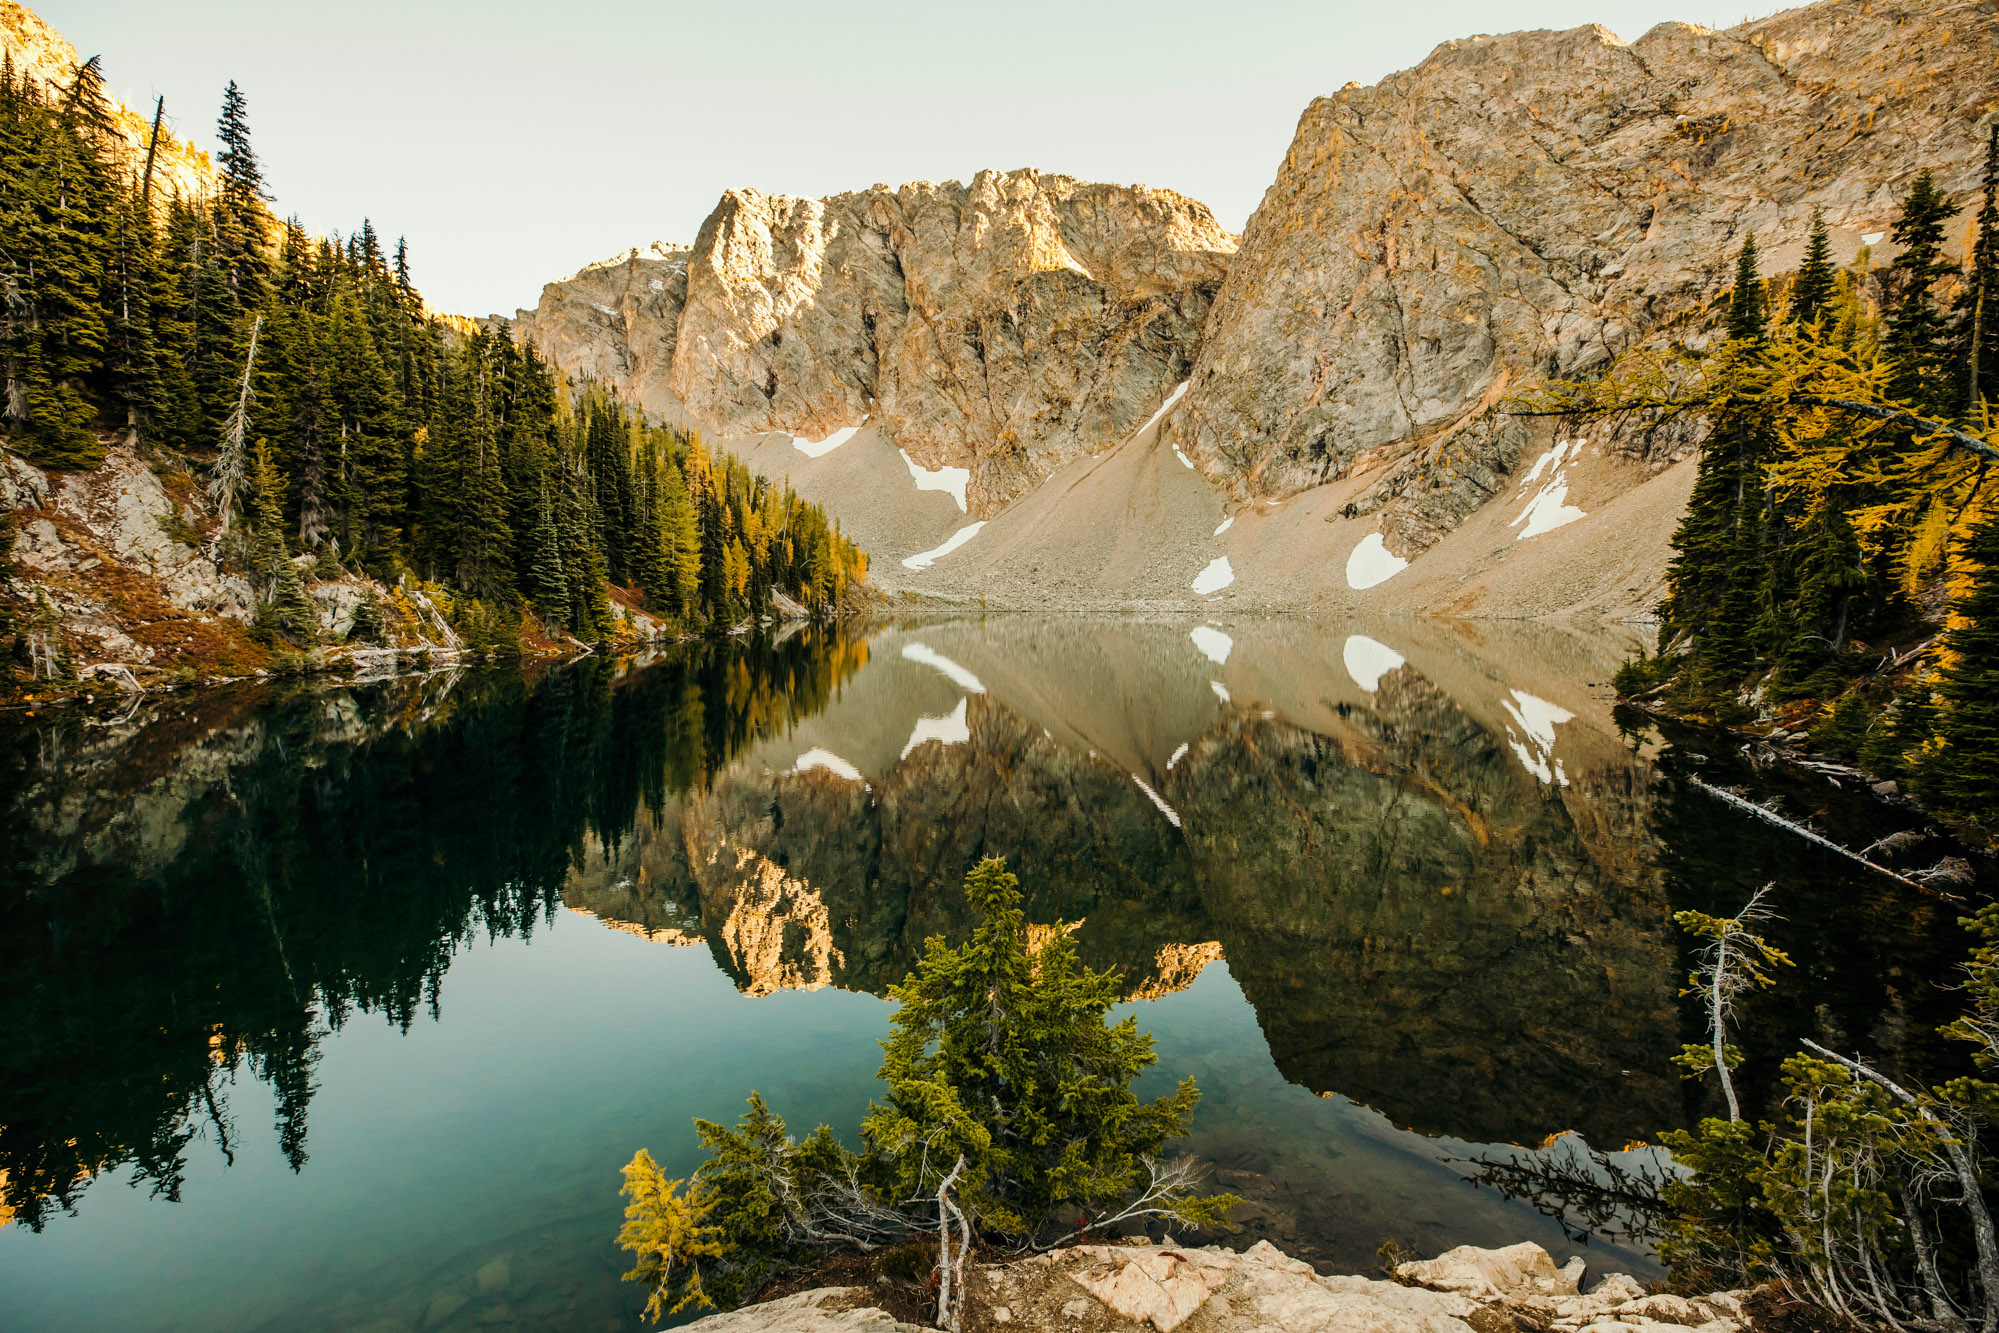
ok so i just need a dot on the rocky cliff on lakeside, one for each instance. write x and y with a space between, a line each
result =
1162 1288
122 558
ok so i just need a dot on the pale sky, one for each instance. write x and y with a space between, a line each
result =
514 143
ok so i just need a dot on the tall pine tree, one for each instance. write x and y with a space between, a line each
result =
1918 338
1977 349
1817 282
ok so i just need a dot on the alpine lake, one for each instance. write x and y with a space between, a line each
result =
338 1005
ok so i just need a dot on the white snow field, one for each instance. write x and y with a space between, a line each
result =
1372 562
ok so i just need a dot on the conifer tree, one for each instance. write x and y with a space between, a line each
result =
370 434
680 538
133 280
239 213
1969 725
1748 301
1917 340
405 289
285 606
1977 338
1817 282
62 240
545 584
1716 581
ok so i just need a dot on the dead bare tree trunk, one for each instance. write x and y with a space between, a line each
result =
1717 1027
152 149
946 1314
231 468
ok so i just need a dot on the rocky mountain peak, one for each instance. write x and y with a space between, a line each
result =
1006 326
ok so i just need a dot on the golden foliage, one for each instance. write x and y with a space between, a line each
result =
665 1227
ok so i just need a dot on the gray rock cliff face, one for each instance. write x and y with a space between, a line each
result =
1006 326
1532 204
617 321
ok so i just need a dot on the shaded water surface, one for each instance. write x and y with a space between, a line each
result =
340 1007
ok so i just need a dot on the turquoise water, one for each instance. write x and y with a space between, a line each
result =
340 1006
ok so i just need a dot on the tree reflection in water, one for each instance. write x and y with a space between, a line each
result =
210 887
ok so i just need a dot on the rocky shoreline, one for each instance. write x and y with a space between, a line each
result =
1163 1288
118 561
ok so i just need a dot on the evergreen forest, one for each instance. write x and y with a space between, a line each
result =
331 415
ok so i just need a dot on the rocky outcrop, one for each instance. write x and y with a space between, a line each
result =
1006 326
1532 204
1160 1289
42 55
123 560
617 321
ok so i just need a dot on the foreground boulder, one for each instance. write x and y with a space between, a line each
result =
1129 1288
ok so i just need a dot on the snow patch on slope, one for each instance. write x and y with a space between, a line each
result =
1549 509
1218 575
925 559
950 480
820 448
1372 562
1179 392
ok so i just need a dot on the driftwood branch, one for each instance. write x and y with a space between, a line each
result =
1743 803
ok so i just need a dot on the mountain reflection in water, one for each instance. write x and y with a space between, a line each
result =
1441 879
1422 923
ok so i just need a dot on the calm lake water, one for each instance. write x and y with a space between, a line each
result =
339 1007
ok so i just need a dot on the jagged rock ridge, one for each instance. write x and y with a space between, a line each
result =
1006 326
1512 209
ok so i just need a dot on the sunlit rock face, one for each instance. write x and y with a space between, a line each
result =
1006 326
44 57
617 322
1531 204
